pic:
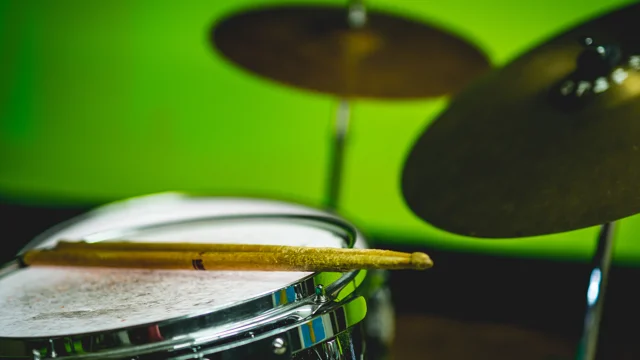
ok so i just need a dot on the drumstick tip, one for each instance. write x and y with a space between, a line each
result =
421 261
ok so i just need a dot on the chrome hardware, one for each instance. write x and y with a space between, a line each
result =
53 349
332 350
321 295
279 346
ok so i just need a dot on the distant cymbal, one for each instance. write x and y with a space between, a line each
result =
548 144
312 47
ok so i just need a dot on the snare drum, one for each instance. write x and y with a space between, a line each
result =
73 313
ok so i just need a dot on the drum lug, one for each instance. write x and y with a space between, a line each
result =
332 350
53 349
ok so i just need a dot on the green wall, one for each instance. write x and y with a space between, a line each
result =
111 99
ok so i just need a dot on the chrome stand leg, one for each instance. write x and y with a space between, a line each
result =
587 348
356 18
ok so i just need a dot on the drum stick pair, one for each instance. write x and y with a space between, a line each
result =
221 257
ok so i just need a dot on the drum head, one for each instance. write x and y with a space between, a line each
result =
57 301
165 207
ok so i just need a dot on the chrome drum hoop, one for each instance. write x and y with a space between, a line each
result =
289 337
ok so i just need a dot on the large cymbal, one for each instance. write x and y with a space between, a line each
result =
528 150
312 47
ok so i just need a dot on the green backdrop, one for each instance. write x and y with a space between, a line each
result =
111 99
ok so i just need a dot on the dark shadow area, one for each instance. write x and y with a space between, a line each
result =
21 223
546 297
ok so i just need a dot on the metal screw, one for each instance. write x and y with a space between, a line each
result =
279 346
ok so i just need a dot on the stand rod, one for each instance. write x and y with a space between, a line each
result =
357 14
341 128
587 348
356 18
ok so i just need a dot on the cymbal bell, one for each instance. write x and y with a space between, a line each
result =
314 48
548 144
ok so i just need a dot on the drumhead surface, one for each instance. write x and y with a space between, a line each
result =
56 301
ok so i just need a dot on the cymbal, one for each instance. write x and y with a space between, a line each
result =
312 47
549 143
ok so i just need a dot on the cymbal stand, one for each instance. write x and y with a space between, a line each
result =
340 133
587 349
356 18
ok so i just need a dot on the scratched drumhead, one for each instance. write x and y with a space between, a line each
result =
55 301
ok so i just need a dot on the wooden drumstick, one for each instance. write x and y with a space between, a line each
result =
215 247
219 261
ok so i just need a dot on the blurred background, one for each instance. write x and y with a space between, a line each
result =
101 101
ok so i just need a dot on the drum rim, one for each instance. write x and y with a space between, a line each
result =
335 319
303 289
338 318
